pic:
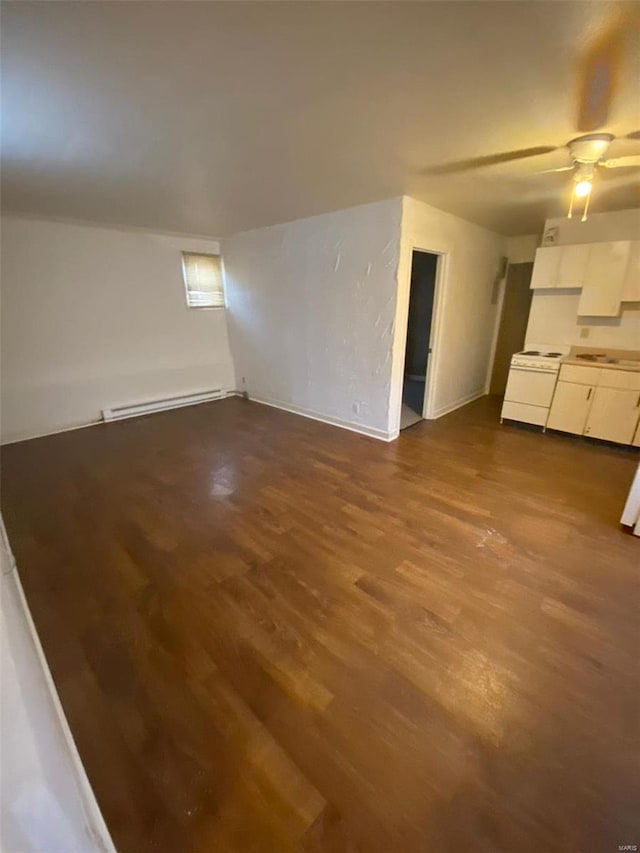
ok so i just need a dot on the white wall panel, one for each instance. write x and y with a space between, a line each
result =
95 317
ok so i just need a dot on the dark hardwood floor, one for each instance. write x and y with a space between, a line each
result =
272 635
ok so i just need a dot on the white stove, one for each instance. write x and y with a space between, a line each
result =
531 383
538 359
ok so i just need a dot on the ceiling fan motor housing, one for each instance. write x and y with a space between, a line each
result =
589 150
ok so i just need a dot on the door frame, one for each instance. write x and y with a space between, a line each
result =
442 265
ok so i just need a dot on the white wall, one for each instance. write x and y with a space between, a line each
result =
599 227
94 317
46 805
522 249
465 316
554 319
311 310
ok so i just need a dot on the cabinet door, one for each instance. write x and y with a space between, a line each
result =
572 269
604 279
545 268
631 286
614 415
570 407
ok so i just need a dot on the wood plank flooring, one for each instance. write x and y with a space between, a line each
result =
272 635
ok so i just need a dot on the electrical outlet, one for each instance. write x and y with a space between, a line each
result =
356 408
585 332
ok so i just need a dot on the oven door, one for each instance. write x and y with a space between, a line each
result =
529 385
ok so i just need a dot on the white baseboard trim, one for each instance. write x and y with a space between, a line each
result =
5 441
96 825
445 410
371 432
30 436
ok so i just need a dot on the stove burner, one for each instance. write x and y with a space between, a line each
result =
554 354
531 352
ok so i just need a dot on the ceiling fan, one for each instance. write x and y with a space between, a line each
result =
599 75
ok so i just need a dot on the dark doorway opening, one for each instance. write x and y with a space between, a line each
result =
418 347
513 323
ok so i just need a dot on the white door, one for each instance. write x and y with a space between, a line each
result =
614 415
570 407
527 385
545 268
573 265
604 279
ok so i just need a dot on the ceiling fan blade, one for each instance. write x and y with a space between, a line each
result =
634 135
598 77
560 169
489 160
630 161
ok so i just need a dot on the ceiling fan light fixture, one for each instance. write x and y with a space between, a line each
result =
581 190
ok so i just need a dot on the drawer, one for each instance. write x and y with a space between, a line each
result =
524 413
581 375
629 379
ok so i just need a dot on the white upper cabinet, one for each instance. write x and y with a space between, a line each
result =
560 266
604 280
572 269
546 267
631 286
607 273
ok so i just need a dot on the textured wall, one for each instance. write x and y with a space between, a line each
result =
311 312
95 317
465 322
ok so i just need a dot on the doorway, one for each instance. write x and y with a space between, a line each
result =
418 347
513 323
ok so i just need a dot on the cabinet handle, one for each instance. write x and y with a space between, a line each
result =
589 394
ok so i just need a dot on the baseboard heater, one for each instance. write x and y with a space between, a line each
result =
117 413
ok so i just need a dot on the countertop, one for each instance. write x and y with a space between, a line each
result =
568 359
630 359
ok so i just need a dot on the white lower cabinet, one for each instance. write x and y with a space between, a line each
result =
613 415
570 407
598 403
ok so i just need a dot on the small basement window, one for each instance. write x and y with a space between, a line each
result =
203 280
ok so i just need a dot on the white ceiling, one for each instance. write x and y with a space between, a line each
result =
210 118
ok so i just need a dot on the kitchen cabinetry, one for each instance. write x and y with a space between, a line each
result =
570 407
546 268
604 279
598 402
560 266
572 268
613 415
607 274
631 286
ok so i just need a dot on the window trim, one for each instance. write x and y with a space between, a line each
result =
183 254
